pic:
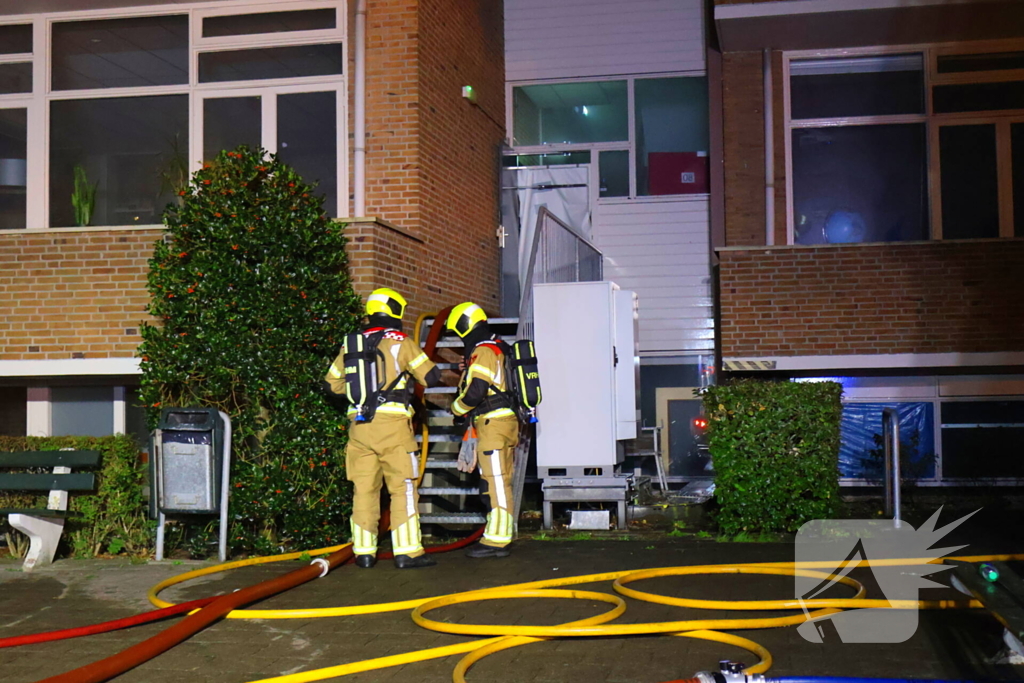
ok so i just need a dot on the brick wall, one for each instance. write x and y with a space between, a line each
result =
743 151
432 157
938 297
70 293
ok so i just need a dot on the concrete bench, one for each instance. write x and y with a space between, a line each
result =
43 526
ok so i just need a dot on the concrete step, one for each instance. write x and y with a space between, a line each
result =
441 390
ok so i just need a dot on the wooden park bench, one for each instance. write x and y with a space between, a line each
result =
43 526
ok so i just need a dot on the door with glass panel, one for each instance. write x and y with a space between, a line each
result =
299 124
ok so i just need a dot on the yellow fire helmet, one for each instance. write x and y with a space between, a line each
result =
465 317
386 301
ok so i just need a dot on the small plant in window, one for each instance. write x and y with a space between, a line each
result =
83 198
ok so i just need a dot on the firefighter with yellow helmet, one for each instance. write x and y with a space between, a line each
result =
382 448
483 399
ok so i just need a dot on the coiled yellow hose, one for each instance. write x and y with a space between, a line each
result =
510 636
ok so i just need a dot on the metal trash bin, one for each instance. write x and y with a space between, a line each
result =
186 462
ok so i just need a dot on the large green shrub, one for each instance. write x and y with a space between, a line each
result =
775 448
251 289
113 518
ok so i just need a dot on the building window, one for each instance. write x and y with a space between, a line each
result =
982 439
120 53
672 136
13 167
664 152
129 149
915 144
127 117
81 411
860 184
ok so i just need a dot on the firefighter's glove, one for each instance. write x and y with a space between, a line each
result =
467 453
460 421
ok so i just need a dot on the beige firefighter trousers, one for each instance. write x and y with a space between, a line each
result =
384 452
497 441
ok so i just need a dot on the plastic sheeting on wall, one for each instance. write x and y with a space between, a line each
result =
860 450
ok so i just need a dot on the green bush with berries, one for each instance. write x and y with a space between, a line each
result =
252 298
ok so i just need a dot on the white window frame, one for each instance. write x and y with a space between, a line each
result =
595 148
38 101
1002 119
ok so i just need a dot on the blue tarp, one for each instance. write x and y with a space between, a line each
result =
861 445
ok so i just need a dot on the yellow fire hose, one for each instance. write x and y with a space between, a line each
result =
509 636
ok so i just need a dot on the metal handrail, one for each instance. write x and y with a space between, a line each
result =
583 262
891 440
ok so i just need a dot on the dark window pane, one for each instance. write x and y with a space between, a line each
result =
858 86
15 39
556 159
860 184
570 112
978 97
1017 151
13 147
120 53
671 136
134 151
15 78
269 22
992 61
614 174
983 412
271 62
229 122
307 140
82 411
970 187
13 411
983 452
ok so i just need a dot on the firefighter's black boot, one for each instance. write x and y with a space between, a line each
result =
365 561
480 550
406 562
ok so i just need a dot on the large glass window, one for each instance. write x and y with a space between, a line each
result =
121 97
13 168
120 53
859 184
570 113
857 86
125 153
13 411
671 136
862 132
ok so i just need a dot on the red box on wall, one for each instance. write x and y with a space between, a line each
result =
677 173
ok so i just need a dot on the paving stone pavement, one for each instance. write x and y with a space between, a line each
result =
950 645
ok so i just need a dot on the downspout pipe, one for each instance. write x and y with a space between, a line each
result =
359 157
769 149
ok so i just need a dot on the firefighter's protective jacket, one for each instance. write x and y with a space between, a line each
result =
484 384
400 355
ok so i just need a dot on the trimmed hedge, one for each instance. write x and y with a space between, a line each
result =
775 448
114 517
